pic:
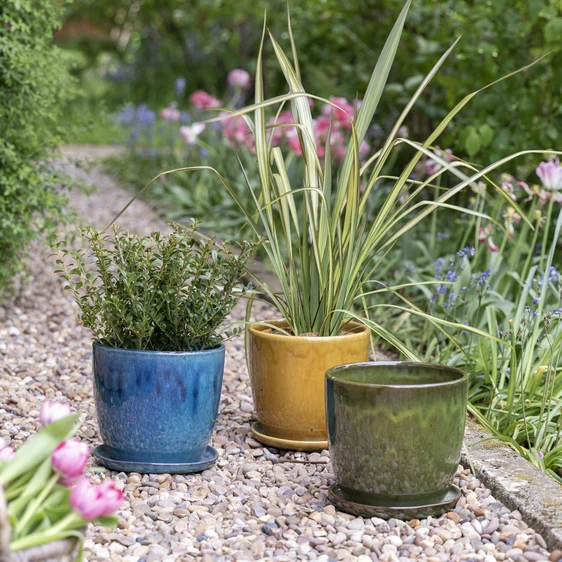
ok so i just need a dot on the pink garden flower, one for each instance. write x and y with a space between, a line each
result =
239 79
279 132
237 133
6 453
343 113
510 218
92 501
485 235
550 174
432 166
170 114
53 411
69 459
203 100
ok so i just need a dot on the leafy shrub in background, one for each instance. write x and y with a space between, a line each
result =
34 84
159 293
339 41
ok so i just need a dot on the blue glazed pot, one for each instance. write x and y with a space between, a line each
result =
156 410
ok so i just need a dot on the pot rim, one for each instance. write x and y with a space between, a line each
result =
217 349
253 328
332 374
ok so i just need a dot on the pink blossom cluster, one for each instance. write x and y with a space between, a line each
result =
203 100
339 116
236 132
550 174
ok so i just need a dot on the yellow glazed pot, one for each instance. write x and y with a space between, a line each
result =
288 376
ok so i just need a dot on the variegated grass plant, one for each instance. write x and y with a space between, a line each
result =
321 239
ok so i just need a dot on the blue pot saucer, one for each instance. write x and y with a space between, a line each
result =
340 500
207 460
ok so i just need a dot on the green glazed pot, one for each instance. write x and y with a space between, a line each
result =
395 431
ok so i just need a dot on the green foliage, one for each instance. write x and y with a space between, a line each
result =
33 85
160 293
501 275
338 40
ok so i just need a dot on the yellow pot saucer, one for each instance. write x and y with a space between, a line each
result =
288 444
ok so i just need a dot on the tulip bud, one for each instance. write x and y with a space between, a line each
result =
69 459
112 496
92 501
6 453
53 411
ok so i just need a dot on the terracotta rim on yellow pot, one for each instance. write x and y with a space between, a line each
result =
287 375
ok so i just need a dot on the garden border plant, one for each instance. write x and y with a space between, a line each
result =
155 305
322 243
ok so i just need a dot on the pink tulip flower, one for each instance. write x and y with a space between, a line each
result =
239 79
550 174
6 453
170 114
203 100
69 459
92 501
53 411
113 497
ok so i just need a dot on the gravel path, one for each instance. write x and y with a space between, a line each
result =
256 503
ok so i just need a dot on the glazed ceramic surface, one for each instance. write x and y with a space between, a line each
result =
157 407
341 500
287 375
395 431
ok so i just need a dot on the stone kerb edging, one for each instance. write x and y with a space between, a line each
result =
516 483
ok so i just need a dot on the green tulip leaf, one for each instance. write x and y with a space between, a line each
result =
39 447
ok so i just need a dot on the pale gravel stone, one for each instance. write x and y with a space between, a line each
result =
256 503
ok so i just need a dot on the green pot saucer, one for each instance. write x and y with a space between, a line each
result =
341 500
288 444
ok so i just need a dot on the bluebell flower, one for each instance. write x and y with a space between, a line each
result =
126 117
409 268
185 117
438 266
536 300
180 86
450 301
451 276
558 311
203 152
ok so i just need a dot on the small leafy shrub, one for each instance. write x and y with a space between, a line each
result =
34 83
159 293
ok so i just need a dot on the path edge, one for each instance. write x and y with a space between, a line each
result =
516 483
